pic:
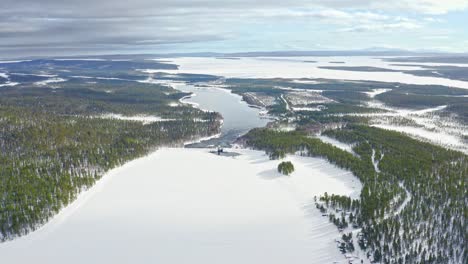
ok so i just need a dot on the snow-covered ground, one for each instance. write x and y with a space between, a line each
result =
425 124
12 61
50 80
338 144
8 82
191 206
298 68
99 78
311 109
145 119
376 92
438 137
81 59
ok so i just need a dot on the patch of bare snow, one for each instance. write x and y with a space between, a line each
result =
305 81
13 61
51 80
338 144
199 140
311 109
33 74
376 92
375 161
288 108
9 84
151 71
145 119
81 59
98 78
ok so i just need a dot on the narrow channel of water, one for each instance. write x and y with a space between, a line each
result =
238 116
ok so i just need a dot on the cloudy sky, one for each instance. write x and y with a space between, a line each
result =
67 27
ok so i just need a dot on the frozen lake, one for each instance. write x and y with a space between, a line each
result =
191 206
301 67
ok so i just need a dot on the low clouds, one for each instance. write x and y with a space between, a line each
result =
31 27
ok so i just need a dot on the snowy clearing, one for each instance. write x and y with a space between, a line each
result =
145 119
338 144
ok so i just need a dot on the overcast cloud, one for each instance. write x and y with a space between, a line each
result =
60 27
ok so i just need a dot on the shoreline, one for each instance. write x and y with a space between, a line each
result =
84 195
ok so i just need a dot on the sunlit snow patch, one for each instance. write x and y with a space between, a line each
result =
376 92
51 80
145 119
341 145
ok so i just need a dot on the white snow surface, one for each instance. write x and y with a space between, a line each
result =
191 206
145 119
338 144
9 84
50 80
376 92
438 137
13 61
81 59
296 68
427 124
311 109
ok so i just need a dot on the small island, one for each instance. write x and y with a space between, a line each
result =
286 167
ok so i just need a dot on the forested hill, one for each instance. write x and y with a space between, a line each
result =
57 142
412 208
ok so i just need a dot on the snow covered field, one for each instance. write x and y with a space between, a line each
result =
191 206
